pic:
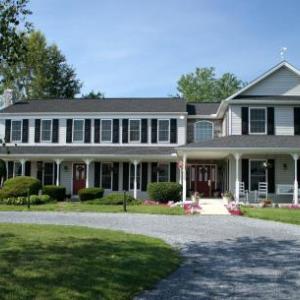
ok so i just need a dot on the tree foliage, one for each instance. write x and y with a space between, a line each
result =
202 85
93 95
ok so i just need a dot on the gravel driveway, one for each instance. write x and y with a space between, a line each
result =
225 256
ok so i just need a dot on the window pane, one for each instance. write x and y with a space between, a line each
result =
203 131
257 173
78 130
257 120
163 173
48 173
134 130
163 133
138 179
16 131
106 176
18 168
106 133
46 130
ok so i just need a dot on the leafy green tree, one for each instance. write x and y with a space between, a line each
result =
202 85
93 95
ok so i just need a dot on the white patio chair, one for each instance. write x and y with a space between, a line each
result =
262 190
243 192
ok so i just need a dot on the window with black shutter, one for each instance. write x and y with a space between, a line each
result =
115 176
297 120
144 176
37 132
125 176
55 131
10 167
173 169
97 131
27 168
245 173
173 128
7 130
97 170
116 131
271 175
144 138
245 120
39 173
87 131
25 131
69 131
154 172
125 131
154 131
271 126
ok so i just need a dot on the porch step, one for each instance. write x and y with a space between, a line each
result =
213 207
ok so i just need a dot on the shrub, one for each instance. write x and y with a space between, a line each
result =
164 191
34 199
90 193
20 186
115 199
55 192
40 199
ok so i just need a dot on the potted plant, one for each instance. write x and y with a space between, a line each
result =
228 197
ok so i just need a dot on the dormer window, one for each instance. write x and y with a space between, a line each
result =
203 131
257 120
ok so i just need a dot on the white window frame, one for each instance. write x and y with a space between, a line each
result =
51 128
111 130
266 171
138 188
79 141
140 133
249 123
111 175
204 121
158 129
11 131
157 172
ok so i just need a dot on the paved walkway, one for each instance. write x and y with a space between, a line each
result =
226 257
213 207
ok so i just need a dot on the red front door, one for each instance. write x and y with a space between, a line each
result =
79 177
203 179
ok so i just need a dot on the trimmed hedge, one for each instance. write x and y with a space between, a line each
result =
90 193
164 191
115 199
34 200
57 193
20 186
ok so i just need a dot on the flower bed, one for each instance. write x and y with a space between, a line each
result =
191 208
294 206
234 209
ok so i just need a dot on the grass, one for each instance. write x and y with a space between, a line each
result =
284 215
85 207
65 262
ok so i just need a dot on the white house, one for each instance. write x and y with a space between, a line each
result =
247 142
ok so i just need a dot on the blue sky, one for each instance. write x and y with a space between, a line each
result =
141 47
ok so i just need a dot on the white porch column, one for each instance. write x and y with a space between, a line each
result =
87 177
184 178
237 157
58 162
22 161
295 195
135 163
180 173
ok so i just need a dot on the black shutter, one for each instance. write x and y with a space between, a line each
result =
87 131
25 129
245 120
7 130
97 131
245 173
55 130
154 131
10 171
297 120
125 176
154 172
116 131
125 131
271 175
27 168
97 166
298 170
144 176
271 127
173 131
54 169
69 131
37 132
39 173
115 176
144 131
173 168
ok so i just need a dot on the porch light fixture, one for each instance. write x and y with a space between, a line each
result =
267 165
181 117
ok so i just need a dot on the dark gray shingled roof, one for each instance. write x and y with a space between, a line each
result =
99 105
249 141
204 108
88 150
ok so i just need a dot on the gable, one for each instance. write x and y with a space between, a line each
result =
283 82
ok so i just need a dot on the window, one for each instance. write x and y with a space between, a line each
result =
203 131
163 173
138 176
48 173
106 175
257 173
257 121
17 168
134 130
78 133
106 130
16 131
46 130
163 130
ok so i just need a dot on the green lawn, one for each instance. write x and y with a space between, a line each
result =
65 262
85 207
284 215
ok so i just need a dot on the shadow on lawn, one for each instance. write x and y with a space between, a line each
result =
242 268
85 268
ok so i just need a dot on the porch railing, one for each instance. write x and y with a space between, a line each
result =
285 189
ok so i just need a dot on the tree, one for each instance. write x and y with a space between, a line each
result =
202 85
93 95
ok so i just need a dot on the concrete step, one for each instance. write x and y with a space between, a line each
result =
213 207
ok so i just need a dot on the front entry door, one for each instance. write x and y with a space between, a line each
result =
203 179
79 177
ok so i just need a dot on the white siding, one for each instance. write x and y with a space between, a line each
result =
284 120
282 82
236 122
66 176
62 131
181 131
2 129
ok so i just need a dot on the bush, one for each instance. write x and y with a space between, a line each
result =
20 186
40 199
115 199
34 199
55 192
90 193
164 191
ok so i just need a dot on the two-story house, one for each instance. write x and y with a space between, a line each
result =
247 141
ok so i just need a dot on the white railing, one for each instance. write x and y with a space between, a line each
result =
285 189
